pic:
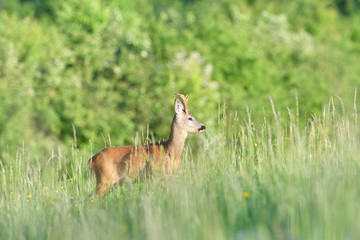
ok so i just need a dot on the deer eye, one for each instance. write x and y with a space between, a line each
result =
190 119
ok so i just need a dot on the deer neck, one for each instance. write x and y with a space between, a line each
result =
175 143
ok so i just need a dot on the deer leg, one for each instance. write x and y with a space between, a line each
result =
106 178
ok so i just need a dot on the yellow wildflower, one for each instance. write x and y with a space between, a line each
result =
29 196
61 188
57 191
246 194
46 188
12 193
258 170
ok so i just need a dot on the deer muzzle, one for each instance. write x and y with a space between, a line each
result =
202 128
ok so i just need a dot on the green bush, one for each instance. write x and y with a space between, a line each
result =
110 68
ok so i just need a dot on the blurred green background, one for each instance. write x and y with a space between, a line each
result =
110 68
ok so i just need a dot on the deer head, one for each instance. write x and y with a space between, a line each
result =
183 117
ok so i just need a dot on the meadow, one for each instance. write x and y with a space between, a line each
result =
79 76
279 178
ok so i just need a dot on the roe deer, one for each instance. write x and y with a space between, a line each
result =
112 165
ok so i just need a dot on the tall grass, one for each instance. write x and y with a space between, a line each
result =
275 179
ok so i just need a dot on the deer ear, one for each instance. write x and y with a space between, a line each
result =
178 106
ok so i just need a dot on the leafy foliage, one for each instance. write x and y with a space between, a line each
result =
109 68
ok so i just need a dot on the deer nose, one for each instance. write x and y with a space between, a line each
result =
202 128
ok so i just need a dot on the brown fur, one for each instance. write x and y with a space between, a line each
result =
115 164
